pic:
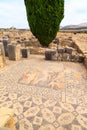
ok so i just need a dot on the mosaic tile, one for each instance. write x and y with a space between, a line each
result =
45 95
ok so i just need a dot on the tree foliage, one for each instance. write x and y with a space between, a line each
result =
44 17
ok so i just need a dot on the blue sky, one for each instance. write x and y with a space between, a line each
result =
13 13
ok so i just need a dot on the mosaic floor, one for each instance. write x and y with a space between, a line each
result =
45 95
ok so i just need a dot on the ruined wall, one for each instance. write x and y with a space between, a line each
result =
2 55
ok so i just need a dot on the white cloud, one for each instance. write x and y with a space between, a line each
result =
75 12
13 13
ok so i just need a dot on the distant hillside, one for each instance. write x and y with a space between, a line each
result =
75 27
82 25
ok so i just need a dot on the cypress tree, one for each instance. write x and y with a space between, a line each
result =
44 17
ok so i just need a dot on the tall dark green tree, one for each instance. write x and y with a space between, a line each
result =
44 17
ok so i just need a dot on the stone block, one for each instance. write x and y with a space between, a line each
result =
52 46
5 43
68 57
68 50
2 55
2 49
14 52
49 54
81 58
85 60
60 57
37 50
25 52
72 57
76 58
64 57
1 61
56 41
61 49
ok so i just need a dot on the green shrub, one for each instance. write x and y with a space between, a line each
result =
44 17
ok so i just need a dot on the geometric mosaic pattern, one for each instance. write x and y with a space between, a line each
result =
45 95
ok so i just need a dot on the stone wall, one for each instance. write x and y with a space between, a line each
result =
81 45
85 61
37 50
2 55
64 54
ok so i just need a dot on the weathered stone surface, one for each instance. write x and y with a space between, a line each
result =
14 52
85 60
60 57
37 50
81 58
68 50
2 49
56 41
2 55
64 56
52 45
61 49
70 55
49 54
5 43
25 52
1 61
